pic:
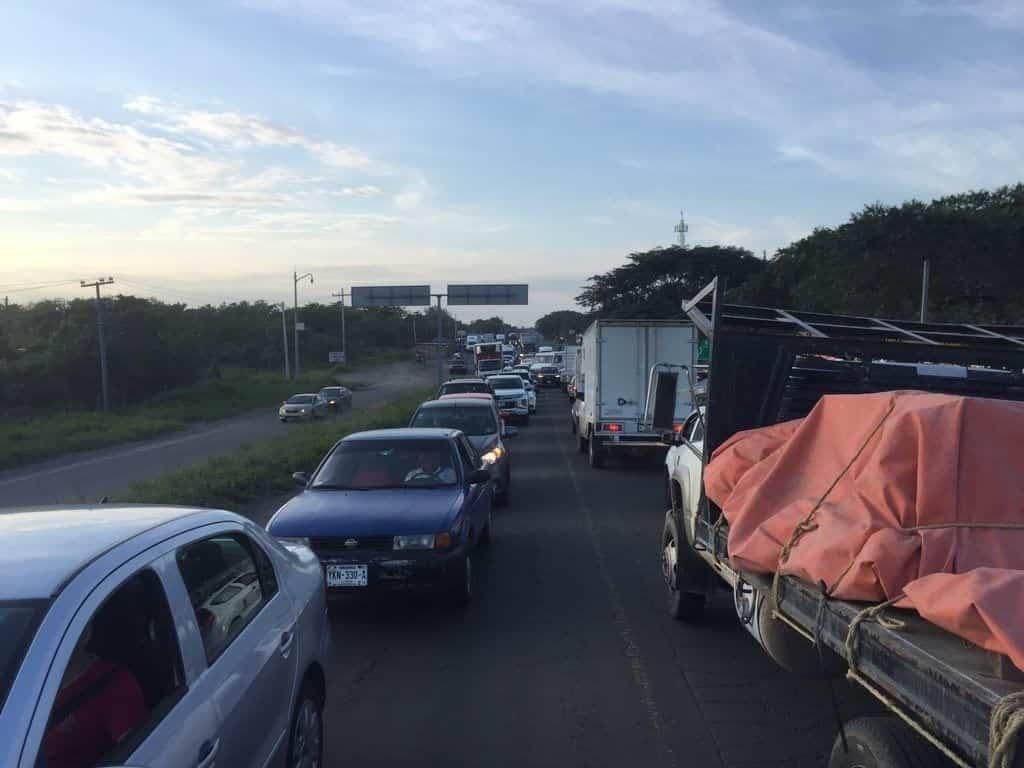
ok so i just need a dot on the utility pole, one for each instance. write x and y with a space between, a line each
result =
104 382
340 295
925 279
296 279
283 309
440 333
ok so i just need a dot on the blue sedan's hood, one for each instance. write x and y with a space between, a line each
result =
368 513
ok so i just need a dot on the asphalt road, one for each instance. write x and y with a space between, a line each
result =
566 656
90 475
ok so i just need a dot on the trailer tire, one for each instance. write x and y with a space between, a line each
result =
882 742
682 605
595 453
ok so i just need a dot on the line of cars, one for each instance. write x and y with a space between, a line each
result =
309 406
169 637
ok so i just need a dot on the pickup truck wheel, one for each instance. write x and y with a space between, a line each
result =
684 606
595 453
882 742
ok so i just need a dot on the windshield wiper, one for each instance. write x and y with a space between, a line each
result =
333 487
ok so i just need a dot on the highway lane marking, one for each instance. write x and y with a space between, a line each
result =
641 678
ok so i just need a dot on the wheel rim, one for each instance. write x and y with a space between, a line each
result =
306 740
669 558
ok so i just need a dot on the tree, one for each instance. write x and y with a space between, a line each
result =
653 284
871 265
562 323
488 325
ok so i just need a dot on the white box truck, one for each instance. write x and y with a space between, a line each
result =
568 366
631 385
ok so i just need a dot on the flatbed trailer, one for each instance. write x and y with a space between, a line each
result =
769 366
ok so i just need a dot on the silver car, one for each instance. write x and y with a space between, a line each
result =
302 407
158 636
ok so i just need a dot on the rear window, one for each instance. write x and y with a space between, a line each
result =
331 392
464 387
300 399
18 622
473 420
506 382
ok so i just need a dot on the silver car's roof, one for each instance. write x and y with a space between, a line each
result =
43 547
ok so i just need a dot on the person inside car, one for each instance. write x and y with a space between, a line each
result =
99 703
431 467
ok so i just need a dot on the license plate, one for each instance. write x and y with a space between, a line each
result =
346 575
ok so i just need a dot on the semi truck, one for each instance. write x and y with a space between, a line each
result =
949 702
629 386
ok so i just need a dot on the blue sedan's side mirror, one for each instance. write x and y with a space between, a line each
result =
479 476
300 478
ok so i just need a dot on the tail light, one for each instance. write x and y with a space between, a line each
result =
613 427
677 427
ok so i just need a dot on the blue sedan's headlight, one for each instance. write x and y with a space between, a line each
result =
416 541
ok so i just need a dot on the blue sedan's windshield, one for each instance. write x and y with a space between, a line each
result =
17 623
368 464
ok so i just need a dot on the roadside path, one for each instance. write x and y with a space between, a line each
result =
88 476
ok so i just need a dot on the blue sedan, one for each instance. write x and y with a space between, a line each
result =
394 508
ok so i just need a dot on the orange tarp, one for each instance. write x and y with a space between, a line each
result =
882 495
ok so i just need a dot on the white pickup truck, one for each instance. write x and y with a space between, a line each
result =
947 696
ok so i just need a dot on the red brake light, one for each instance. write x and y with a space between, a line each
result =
677 427
612 427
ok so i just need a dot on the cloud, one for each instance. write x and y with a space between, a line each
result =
242 131
366 190
28 128
710 61
14 205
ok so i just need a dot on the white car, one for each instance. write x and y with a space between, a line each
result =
531 390
511 396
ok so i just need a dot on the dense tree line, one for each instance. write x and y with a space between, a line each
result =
49 349
870 265
562 323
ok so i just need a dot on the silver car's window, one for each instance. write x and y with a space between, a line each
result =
473 420
123 677
224 587
505 382
18 621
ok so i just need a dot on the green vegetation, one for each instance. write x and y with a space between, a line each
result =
265 467
44 435
870 265
49 356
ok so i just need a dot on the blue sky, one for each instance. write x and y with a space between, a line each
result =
200 150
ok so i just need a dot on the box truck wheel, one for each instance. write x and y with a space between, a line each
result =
682 605
595 453
882 742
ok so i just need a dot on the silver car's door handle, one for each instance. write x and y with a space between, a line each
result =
287 640
208 754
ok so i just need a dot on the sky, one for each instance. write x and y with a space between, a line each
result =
202 151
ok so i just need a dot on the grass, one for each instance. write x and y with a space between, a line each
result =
265 467
45 435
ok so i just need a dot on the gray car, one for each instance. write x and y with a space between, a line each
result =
158 636
303 407
478 418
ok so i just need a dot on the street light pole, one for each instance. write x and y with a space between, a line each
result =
296 278
104 382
